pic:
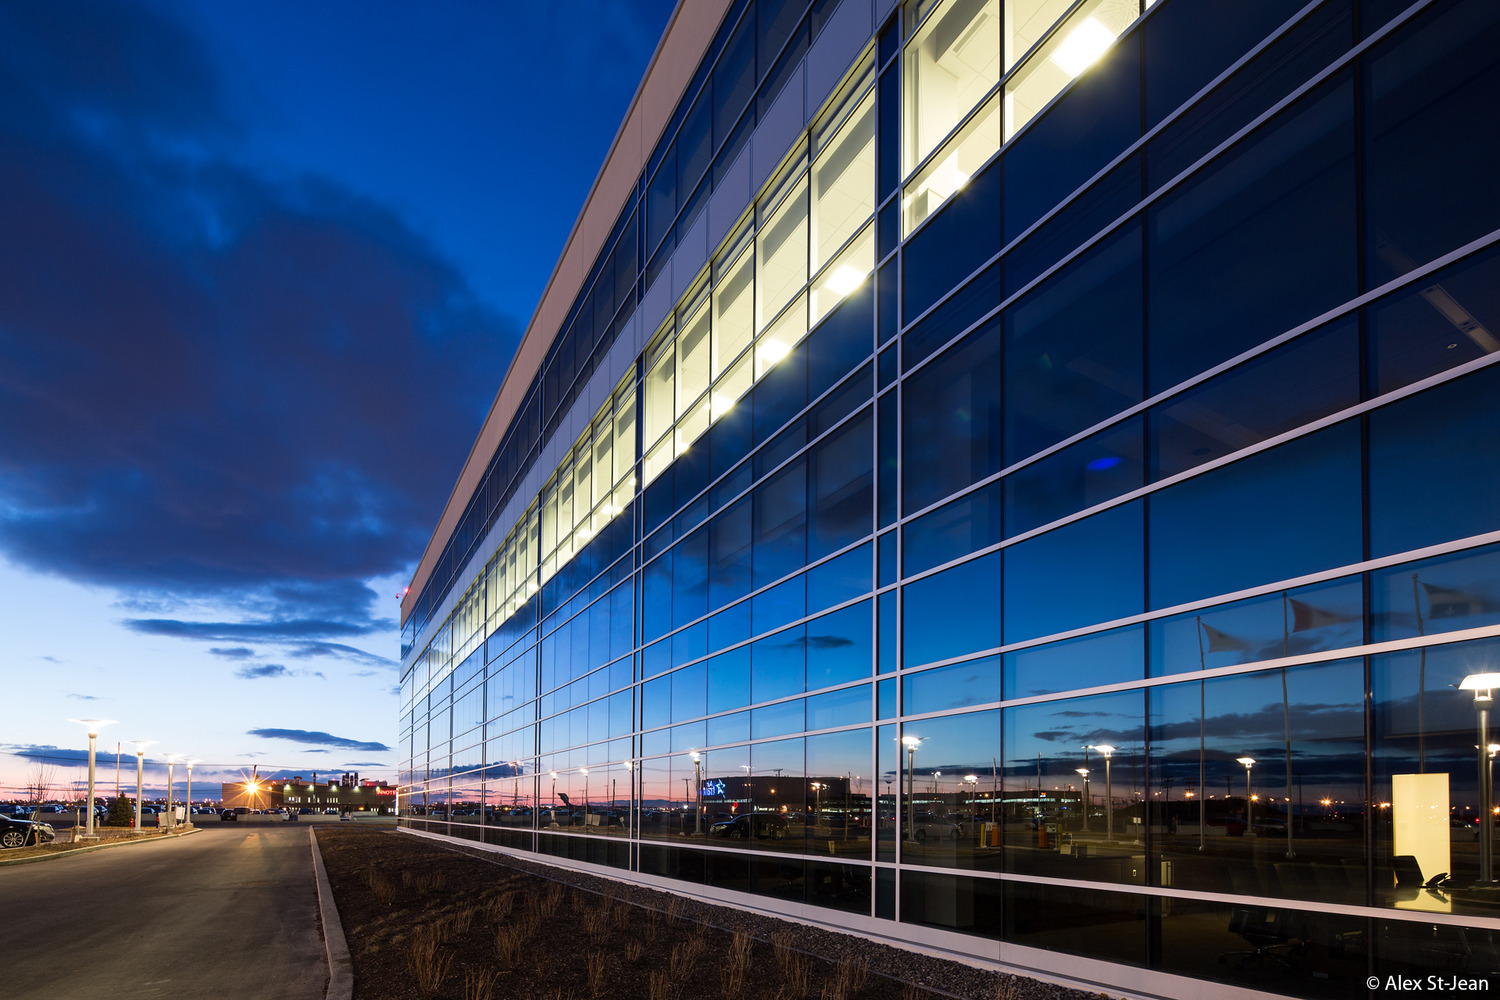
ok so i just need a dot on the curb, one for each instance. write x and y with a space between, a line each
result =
340 965
160 838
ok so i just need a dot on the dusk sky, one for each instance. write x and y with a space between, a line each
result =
262 268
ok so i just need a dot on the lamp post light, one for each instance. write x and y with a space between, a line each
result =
1109 795
972 780
911 743
1483 686
697 792
1087 798
554 798
817 787
1249 762
140 773
171 759
190 762
93 726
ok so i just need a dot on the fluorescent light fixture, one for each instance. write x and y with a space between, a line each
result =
944 182
1083 46
844 279
773 351
720 404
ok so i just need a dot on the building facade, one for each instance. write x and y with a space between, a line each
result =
1016 478
345 793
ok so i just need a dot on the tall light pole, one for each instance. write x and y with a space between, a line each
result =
697 792
972 780
1249 762
190 762
911 743
1483 686
1109 797
554 798
171 759
817 787
93 726
140 773
1087 798
749 787
585 772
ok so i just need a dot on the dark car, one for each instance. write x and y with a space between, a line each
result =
762 826
20 832
229 815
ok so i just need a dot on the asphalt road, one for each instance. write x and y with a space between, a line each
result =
228 911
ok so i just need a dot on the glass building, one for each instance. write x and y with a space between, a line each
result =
1019 478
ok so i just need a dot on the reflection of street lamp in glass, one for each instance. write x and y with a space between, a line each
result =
973 782
1483 686
911 743
140 774
1249 762
93 726
190 762
697 791
1109 795
1087 799
554 796
817 787
585 772
749 787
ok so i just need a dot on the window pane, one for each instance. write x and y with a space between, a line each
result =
1083 40
844 277
951 63
781 248
952 613
952 420
1098 468
1289 187
1433 462
1086 572
1450 320
734 79
692 360
947 173
733 313
843 178
1437 595
1279 514
1426 83
1089 660
660 397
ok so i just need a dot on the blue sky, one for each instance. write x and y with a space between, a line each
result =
261 270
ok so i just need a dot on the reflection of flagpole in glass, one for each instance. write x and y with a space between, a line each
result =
994 785
1202 736
1286 720
1416 601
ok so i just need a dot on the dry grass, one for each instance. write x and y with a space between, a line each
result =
479 983
635 949
661 985
498 908
598 966
426 960
736 963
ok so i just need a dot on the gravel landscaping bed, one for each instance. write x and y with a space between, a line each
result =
429 919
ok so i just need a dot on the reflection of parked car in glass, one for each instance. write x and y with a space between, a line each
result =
931 826
229 816
762 826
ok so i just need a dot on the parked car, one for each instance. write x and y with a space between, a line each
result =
762 826
20 832
229 816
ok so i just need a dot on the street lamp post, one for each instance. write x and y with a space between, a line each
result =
554 798
140 773
1109 795
911 743
1087 798
93 726
585 772
171 809
190 762
749 787
1249 762
1483 686
973 782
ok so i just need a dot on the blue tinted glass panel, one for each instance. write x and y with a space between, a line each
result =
781 605
1314 375
953 414
1098 468
781 524
1289 511
729 680
661 202
975 682
841 473
839 647
777 720
1447 321
689 692
1274 212
848 707
954 530
1428 83
734 79
1106 200
1436 595
839 580
1105 658
778 665
1073 347
1086 572
952 613
1435 465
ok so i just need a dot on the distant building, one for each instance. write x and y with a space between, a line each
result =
1041 460
346 793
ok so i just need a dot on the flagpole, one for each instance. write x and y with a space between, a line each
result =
1202 766
1416 601
1286 727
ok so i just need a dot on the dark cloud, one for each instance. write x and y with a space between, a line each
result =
263 670
366 763
214 383
84 697
233 652
311 738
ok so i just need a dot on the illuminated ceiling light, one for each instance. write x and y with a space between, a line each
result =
844 279
773 350
1083 46
945 181
721 403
